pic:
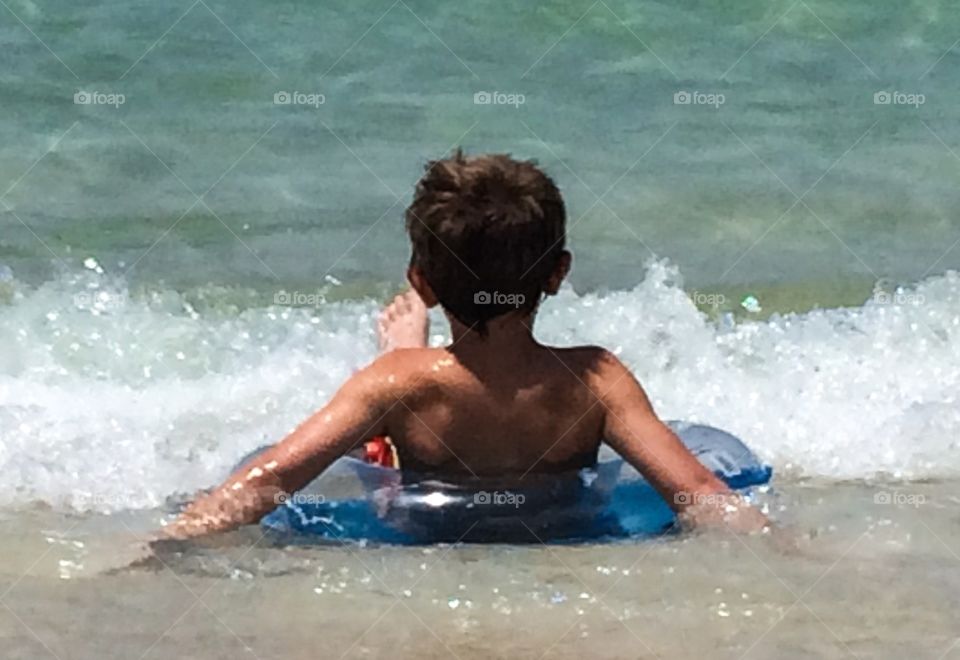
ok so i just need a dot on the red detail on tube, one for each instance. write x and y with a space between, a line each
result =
379 451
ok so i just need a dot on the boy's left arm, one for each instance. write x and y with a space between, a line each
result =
634 430
356 412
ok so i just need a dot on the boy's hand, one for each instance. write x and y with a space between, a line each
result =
355 413
729 509
634 431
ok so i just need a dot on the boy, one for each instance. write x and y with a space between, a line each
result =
488 243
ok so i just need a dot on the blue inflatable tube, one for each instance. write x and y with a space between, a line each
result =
356 501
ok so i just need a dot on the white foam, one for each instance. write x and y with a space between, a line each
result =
111 401
842 393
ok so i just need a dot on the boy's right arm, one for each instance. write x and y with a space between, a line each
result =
356 412
633 430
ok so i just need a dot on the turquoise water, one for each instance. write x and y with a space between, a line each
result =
222 161
300 191
162 204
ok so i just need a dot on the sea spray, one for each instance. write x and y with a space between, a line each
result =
147 396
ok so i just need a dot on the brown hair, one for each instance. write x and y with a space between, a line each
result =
487 233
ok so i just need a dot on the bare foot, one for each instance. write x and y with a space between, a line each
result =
403 323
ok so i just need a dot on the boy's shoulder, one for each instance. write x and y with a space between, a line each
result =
402 365
599 369
593 360
393 375
404 370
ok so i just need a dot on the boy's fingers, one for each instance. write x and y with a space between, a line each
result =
119 554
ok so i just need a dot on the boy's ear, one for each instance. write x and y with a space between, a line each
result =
559 273
420 285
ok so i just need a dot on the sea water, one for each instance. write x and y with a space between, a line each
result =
201 213
110 400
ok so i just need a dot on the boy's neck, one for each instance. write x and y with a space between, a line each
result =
507 335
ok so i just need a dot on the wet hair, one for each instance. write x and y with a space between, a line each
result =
486 232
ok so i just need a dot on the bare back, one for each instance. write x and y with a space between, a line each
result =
486 414
530 413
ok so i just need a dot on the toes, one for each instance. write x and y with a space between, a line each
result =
401 321
413 301
386 318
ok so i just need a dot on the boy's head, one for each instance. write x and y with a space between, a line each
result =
488 237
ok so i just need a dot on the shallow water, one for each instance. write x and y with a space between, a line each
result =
116 404
853 577
781 265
